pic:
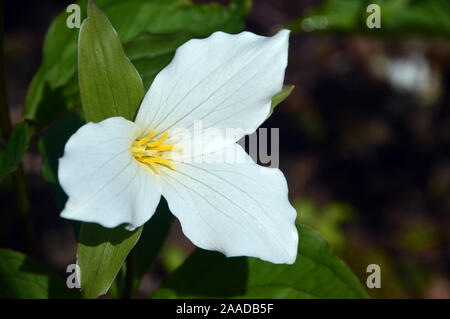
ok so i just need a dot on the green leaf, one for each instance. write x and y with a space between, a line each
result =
109 86
54 89
23 277
281 96
152 239
15 148
317 273
109 83
101 252
398 18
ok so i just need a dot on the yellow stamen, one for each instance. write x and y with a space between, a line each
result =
158 142
146 139
167 147
151 163
151 153
160 160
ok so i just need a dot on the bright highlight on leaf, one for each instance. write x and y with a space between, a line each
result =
281 96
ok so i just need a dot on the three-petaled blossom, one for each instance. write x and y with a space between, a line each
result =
115 171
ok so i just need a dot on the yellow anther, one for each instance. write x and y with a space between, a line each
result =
160 160
167 147
151 163
158 142
146 139
150 153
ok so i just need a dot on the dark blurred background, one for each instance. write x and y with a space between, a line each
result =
364 144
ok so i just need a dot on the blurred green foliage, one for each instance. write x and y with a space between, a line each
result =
418 238
430 18
327 220
403 275
172 256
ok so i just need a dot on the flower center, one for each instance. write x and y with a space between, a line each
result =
150 153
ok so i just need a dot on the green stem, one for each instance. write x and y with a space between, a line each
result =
23 208
129 275
19 183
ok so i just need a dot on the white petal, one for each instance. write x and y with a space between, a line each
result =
105 184
226 81
239 209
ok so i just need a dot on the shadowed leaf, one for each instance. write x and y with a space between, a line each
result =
15 148
23 277
317 273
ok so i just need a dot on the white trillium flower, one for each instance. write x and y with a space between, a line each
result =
115 171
